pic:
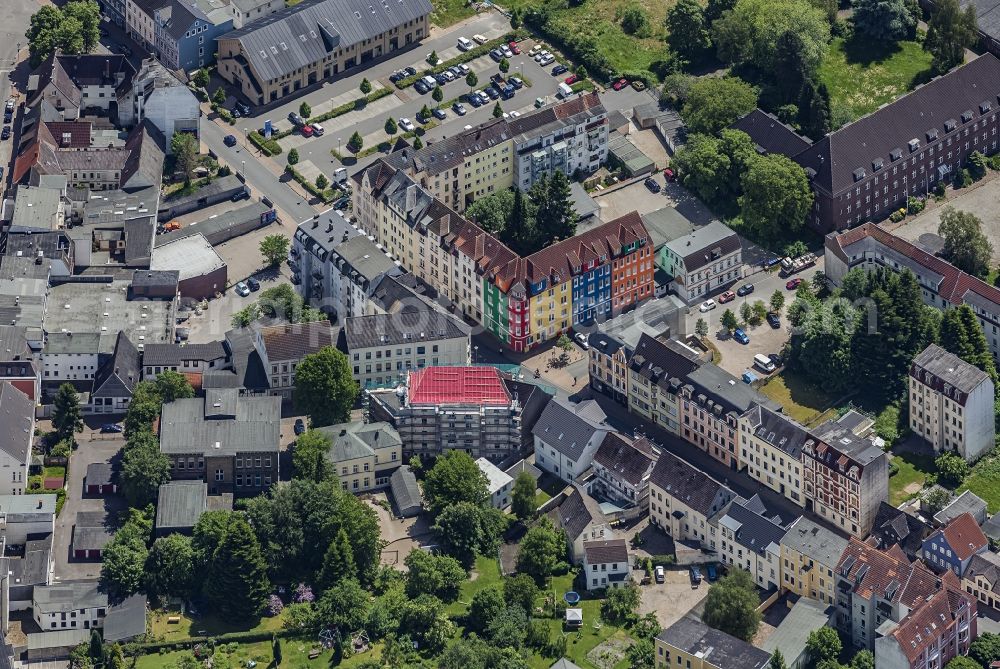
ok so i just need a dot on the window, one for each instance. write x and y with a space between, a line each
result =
220 475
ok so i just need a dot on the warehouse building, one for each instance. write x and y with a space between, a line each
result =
203 273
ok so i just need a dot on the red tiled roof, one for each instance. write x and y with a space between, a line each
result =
924 625
954 283
914 583
964 536
458 385
77 132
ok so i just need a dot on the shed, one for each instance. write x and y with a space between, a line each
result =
90 535
127 620
574 618
100 479
55 645
405 492
628 156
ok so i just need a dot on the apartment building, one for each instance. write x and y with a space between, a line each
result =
281 347
867 169
982 579
845 476
228 440
941 284
750 539
703 261
682 499
17 427
606 564
580 517
691 644
656 373
567 435
245 11
139 21
69 86
363 455
771 451
383 349
810 554
951 403
471 408
930 636
951 547
301 45
608 370
185 33
622 468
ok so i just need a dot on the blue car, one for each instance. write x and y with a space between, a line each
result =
711 572
741 336
111 427
475 101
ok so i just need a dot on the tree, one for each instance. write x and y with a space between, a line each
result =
965 245
169 570
67 419
497 110
542 548
701 328
426 622
276 651
338 563
432 58
864 659
746 312
293 157
729 320
635 22
356 142
465 530
555 217
884 21
438 93
508 628
73 29
471 80
345 605
952 468
961 334
219 96
777 301
144 469
731 605
201 78
641 654
504 65
824 644
522 496
124 558
325 390
486 605
455 477
676 88
390 126
184 147
429 574
961 662
520 590
688 29
417 143
322 182
950 31
748 34
777 660
758 312
171 385
936 499
236 583
776 196
305 111
985 649
703 168
366 86
620 605
715 102
309 456
792 67
274 248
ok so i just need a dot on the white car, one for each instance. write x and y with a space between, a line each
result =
507 53
707 305
547 60
406 124
659 574
515 114
479 39
535 49
464 43
242 289
464 68
582 340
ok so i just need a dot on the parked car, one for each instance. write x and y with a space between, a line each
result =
539 103
295 119
572 79
515 49
459 109
707 305
440 78
240 195
464 43
668 174
515 114
440 114
342 202
749 377
741 336
712 573
112 427
496 55
463 68
306 130
497 79
456 70
773 320
252 283
794 283
474 101
507 92
745 289
559 69
449 75
397 76
516 82
243 108
659 574
8 117
229 140
421 87
547 59
479 39
300 426
581 339
10 105
652 185
727 296
410 71
242 289
535 49
5 133
406 124
638 85
507 53
776 359
620 84
492 92
695 574
317 129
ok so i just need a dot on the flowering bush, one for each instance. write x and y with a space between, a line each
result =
275 605
303 594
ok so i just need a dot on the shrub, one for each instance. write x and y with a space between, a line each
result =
915 205
897 215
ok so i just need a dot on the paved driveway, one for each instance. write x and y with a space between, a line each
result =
672 599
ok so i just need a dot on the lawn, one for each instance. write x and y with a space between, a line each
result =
913 471
294 655
450 12
801 399
985 481
487 573
189 627
601 20
862 75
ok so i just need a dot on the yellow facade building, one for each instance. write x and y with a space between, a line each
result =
363 455
809 556
691 644
771 450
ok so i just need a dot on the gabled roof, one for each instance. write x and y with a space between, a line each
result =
16 421
67 596
967 502
126 620
100 473
815 542
173 355
705 245
778 430
716 648
752 525
923 627
689 485
293 341
568 427
963 535
409 327
986 565
628 459
576 513
120 373
180 504
771 135
605 551
458 385
895 527
405 490
358 440
948 368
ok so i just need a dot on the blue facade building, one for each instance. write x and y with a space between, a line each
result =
951 547
186 34
592 294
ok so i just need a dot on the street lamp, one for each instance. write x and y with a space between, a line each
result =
243 168
246 137
475 354
338 146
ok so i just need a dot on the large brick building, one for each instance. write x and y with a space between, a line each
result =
867 169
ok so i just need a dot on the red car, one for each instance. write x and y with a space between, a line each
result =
727 296
572 79
307 131
620 84
514 48
793 284
668 174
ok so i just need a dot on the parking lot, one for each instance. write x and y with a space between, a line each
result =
637 197
673 599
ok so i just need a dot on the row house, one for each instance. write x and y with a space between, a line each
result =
702 261
656 372
750 539
771 451
982 579
608 371
622 468
281 347
682 499
933 634
845 476
867 169
809 555
952 547
691 644
942 285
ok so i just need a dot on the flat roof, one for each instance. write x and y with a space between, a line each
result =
192 256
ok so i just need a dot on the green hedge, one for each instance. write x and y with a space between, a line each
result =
327 196
465 57
245 637
352 106
269 147
224 114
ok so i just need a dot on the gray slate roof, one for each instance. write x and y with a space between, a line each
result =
16 413
771 135
100 473
358 440
967 502
180 504
407 327
718 648
306 33
67 596
576 512
815 542
757 528
171 355
705 245
693 487
568 427
243 424
405 490
126 620
949 368
778 430
120 373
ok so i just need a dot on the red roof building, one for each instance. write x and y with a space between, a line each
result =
951 548
932 634
458 385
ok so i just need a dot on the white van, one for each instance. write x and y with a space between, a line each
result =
763 363
317 129
479 39
564 90
464 43
340 175
430 81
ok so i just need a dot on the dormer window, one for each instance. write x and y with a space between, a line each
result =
859 174
966 116
950 125
913 144
984 107
876 164
932 134
895 154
